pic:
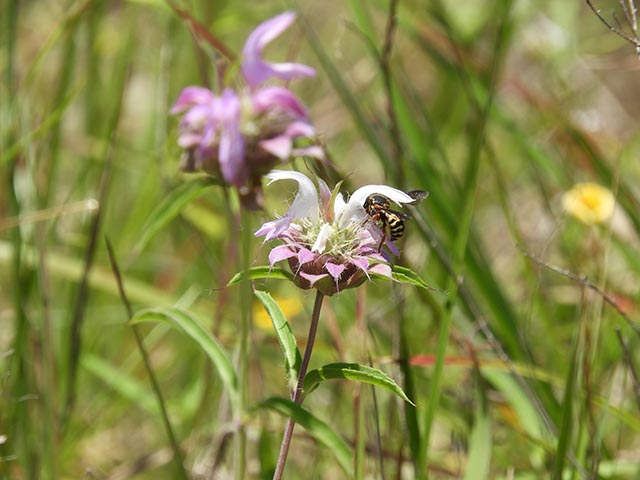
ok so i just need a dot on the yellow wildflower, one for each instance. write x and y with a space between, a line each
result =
290 306
589 202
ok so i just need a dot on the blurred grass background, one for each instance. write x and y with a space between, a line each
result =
495 107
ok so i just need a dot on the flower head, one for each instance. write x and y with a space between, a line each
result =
589 202
241 135
330 243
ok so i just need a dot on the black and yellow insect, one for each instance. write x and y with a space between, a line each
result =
392 222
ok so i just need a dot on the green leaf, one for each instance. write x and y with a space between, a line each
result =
284 334
318 429
355 372
170 207
260 273
406 275
267 454
211 223
523 407
187 323
566 422
480 444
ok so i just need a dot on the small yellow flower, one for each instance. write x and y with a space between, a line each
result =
290 306
589 202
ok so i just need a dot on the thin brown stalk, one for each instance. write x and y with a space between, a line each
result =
297 394
175 446
397 154
631 17
628 358
585 282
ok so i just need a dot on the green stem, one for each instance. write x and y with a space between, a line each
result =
243 353
297 395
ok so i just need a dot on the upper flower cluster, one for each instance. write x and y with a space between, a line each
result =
241 135
330 243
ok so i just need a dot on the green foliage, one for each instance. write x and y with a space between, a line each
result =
354 372
187 323
285 336
317 428
169 208
261 273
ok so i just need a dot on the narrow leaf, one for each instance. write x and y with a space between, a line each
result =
187 323
406 275
284 334
169 208
318 429
479 447
354 372
567 421
260 273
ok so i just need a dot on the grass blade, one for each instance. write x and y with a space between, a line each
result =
479 460
127 386
188 323
169 208
318 429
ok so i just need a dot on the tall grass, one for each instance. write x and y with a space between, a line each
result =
523 364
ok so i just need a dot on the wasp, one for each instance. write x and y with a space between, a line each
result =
378 207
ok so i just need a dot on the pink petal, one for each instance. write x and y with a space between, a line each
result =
279 253
189 140
313 278
300 129
305 256
325 193
377 256
254 69
231 154
274 228
362 263
381 269
311 151
279 146
191 96
272 98
334 270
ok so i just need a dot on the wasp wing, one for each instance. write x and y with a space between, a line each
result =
417 195
402 215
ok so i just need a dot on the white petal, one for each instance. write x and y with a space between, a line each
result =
321 242
306 202
354 212
339 205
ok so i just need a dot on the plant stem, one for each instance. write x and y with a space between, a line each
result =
297 394
243 351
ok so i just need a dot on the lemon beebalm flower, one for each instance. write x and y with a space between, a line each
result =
242 133
589 202
328 241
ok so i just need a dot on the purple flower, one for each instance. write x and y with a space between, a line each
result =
240 136
329 244
254 69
